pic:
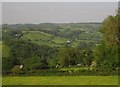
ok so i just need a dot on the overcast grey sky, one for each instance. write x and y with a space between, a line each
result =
42 12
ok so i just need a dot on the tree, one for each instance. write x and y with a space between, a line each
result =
35 63
16 69
67 56
106 54
52 62
63 57
88 57
8 63
110 30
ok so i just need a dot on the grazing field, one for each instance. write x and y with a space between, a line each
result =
36 36
60 37
60 40
61 80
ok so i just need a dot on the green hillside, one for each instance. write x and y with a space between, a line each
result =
60 40
59 34
36 35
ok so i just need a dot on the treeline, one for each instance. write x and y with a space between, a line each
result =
107 53
33 56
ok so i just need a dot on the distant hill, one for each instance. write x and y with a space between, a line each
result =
58 34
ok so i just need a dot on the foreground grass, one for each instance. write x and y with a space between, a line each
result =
61 80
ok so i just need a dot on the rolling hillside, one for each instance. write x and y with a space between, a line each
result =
59 34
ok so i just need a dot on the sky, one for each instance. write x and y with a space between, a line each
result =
60 0
56 12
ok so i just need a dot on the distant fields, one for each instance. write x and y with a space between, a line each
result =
57 35
42 38
60 40
36 35
61 80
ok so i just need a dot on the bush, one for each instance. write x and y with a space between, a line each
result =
16 69
36 66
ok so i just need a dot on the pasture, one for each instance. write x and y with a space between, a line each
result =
36 35
60 80
60 40
39 38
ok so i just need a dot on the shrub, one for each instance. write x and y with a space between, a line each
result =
16 69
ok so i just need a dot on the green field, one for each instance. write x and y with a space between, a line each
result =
60 40
36 35
42 38
61 80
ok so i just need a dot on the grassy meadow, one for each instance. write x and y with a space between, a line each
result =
60 80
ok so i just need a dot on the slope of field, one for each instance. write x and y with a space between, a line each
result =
61 80
36 35
57 34
42 38
60 40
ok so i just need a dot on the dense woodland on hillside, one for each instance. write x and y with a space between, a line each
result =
49 48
